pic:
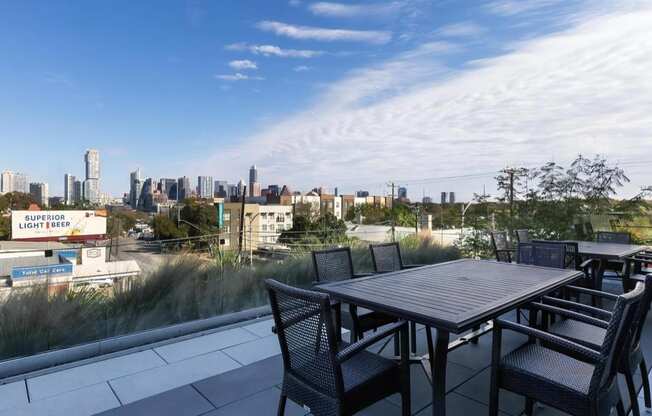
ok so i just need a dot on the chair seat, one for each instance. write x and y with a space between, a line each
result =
541 369
365 366
580 332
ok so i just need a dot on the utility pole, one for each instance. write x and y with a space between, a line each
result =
392 213
242 214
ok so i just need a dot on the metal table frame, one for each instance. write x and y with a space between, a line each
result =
476 320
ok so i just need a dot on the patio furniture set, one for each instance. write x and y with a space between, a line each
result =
580 337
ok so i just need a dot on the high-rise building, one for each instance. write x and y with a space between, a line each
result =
78 192
6 182
183 188
135 187
205 187
443 197
166 186
13 182
254 185
92 181
221 189
402 192
274 190
68 189
241 186
232 190
451 197
39 192
146 198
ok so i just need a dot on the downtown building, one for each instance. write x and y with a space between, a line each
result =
13 182
205 187
69 189
92 181
39 192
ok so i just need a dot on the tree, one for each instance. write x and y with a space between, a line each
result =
325 229
165 228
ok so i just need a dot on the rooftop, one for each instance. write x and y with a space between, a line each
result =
237 371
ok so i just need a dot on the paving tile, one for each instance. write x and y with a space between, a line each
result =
261 328
74 378
478 389
260 404
157 380
421 389
457 405
184 401
253 351
204 344
12 395
86 401
245 381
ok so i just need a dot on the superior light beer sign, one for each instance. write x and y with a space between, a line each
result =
57 225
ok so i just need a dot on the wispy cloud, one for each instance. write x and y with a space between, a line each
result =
462 29
330 9
243 64
324 34
301 68
514 7
587 87
238 77
272 50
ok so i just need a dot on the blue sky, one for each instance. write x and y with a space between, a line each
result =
349 94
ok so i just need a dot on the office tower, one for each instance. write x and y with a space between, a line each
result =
205 187
241 186
254 185
183 188
402 192
68 189
273 190
232 190
77 192
362 194
221 189
14 182
443 198
92 181
146 198
451 197
39 192
165 185
6 182
135 187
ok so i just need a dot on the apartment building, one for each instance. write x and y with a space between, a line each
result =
263 224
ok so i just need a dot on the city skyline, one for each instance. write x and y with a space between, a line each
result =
431 95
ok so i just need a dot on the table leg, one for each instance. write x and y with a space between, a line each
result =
438 371
598 277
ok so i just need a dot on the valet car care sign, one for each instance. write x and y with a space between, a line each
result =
57 225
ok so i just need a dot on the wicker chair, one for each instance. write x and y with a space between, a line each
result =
573 260
564 374
387 258
501 246
334 265
547 254
331 378
587 325
523 236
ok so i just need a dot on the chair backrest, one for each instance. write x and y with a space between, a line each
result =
572 257
546 254
523 236
306 335
386 257
500 244
643 309
611 237
333 265
618 336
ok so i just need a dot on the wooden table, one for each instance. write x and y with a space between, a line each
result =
452 297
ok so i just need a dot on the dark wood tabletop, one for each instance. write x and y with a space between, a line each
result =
452 296
609 251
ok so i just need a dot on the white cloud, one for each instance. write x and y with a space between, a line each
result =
237 77
272 50
301 68
585 89
243 64
514 7
330 9
324 34
462 29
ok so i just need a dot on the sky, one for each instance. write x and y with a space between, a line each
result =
435 95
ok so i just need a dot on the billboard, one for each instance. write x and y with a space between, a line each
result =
40 272
57 225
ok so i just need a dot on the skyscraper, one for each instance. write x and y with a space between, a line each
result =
6 182
254 185
183 188
443 198
221 189
14 182
451 197
39 192
135 187
68 189
78 192
205 187
92 182
241 186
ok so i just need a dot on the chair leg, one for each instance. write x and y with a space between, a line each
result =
646 383
413 337
281 405
529 406
397 348
518 315
631 388
620 408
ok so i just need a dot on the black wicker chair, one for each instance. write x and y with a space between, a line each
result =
501 246
573 260
337 264
546 254
587 325
523 236
386 258
331 378
564 374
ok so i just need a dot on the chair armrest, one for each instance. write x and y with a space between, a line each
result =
592 292
578 307
357 275
561 344
366 342
586 263
570 314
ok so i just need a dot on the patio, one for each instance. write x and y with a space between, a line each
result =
237 371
